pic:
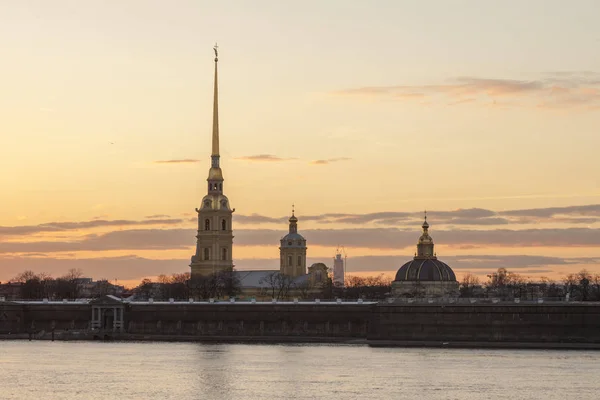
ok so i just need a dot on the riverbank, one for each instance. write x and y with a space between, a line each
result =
80 336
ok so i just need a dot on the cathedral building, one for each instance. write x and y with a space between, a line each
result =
214 242
425 275
214 239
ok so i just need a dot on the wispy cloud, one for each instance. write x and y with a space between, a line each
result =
557 90
372 238
157 216
587 214
330 160
132 267
263 158
178 161
72 226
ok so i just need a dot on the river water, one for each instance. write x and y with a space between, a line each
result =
185 371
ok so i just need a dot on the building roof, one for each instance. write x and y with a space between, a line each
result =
425 269
258 279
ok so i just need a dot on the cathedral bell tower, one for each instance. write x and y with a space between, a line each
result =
293 251
215 232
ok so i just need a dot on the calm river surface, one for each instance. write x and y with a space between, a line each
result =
185 371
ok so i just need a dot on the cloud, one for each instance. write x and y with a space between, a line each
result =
157 216
257 219
564 90
132 267
69 226
123 268
588 214
263 158
373 238
178 161
329 160
587 210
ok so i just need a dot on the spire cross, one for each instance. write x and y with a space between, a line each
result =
425 215
216 49
293 209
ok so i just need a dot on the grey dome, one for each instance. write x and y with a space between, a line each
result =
425 269
293 236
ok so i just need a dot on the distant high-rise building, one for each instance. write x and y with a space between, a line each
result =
215 232
293 251
338 269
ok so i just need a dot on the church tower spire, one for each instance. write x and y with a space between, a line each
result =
215 129
425 245
215 232
215 175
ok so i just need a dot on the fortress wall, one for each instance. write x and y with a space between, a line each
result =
502 323
249 320
11 318
556 323
58 316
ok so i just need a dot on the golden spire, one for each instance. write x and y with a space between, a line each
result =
215 130
425 244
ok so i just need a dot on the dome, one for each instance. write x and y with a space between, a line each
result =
425 269
293 236
215 174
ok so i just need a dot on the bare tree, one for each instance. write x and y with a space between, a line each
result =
279 284
468 284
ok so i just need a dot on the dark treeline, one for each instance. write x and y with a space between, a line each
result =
37 286
181 287
503 284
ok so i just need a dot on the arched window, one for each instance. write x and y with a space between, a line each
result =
223 254
290 261
206 254
220 186
299 260
318 277
223 225
207 224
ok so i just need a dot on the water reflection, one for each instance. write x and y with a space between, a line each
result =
186 371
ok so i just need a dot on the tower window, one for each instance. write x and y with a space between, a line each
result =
299 260
207 224
223 254
223 225
290 261
220 186
206 254
290 243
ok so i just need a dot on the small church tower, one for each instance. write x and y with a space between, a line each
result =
292 260
215 232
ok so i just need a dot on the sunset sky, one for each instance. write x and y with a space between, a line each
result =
362 114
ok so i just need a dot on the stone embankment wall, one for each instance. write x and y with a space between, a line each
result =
37 317
379 323
311 320
545 323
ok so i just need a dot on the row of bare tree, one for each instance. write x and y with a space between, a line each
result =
580 286
42 286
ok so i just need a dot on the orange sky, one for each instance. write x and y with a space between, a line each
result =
355 113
